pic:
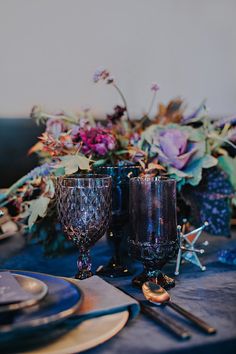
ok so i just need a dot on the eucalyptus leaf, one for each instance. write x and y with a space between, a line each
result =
209 161
194 169
60 171
100 162
179 173
38 208
121 152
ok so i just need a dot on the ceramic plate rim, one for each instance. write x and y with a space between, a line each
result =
47 320
25 303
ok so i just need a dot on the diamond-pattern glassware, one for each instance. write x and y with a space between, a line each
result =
84 209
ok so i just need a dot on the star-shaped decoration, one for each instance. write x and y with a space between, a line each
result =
187 250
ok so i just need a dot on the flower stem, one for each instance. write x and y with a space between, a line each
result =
123 99
152 103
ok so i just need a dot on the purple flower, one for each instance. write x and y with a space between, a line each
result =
97 140
43 170
134 138
100 149
174 148
102 74
155 87
75 130
55 127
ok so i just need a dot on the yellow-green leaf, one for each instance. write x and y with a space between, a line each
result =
38 209
73 163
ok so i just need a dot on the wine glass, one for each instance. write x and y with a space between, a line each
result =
84 208
119 227
153 238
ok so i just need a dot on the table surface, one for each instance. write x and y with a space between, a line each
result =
211 295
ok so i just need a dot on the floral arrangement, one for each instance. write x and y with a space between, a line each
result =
190 148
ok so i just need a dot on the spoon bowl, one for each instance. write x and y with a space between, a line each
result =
155 293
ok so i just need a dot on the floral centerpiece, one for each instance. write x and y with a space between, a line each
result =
195 150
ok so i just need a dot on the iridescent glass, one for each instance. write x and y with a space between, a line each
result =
84 208
153 237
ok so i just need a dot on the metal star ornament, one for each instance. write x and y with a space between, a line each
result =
187 250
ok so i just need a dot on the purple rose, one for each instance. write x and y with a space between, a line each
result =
174 148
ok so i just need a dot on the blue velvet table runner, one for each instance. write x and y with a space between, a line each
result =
211 295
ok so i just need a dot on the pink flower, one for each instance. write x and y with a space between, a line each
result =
97 140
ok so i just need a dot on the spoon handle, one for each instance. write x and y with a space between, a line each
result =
165 321
194 319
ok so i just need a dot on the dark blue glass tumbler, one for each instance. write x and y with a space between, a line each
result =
119 227
153 238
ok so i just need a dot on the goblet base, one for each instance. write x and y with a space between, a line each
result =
83 274
157 277
113 270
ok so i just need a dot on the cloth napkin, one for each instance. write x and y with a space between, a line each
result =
102 298
10 289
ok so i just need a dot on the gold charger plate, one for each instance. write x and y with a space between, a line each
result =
86 335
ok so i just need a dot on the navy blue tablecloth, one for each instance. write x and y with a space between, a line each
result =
211 295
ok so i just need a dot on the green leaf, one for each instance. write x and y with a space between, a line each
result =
178 173
209 161
195 134
194 170
60 171
121 152
100 162
38 208
228 164
72 163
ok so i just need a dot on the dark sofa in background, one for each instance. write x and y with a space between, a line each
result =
17 135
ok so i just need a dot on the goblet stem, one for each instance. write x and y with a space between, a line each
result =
154 275
116 257
160 278
84 265
115 267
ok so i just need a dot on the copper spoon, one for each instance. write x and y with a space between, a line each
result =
156 294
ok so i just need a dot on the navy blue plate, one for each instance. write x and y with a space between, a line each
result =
61 302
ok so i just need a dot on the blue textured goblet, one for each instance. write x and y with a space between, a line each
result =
84 208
